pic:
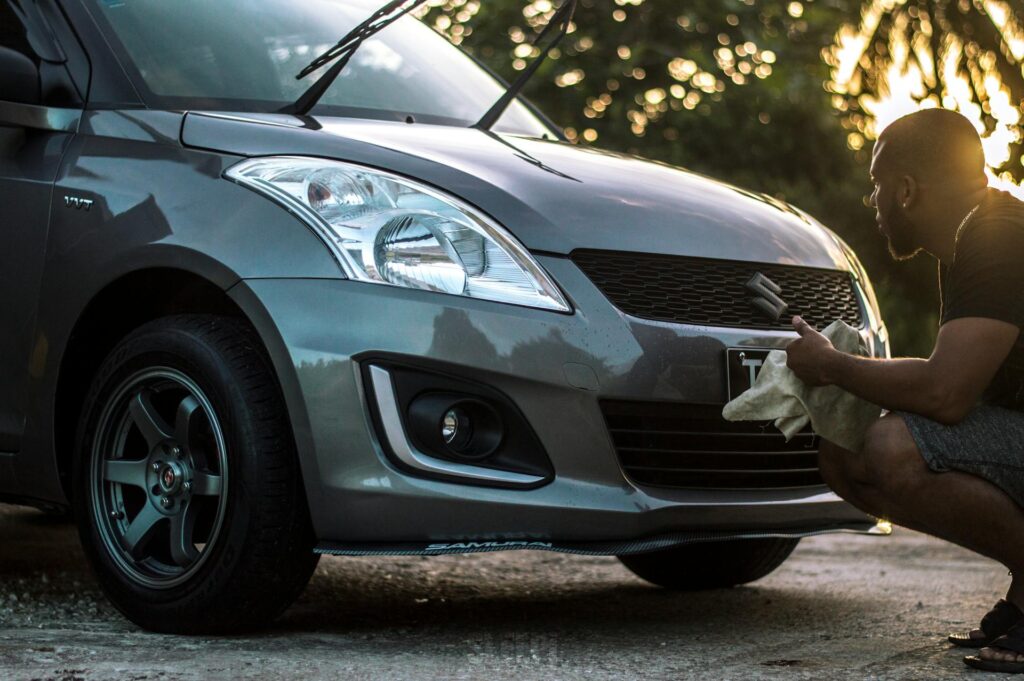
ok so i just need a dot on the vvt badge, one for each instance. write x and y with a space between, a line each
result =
766 296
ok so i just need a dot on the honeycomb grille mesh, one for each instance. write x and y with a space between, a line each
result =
712 292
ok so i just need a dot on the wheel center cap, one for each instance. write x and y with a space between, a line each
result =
171 477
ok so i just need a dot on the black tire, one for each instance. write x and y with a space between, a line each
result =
232 489
710 565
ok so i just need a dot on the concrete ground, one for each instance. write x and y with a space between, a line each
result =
842 607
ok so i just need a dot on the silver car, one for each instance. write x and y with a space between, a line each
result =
238 334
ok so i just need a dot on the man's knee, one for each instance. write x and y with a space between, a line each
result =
891 464
838 467
888 466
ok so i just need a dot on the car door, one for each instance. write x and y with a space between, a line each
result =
36 125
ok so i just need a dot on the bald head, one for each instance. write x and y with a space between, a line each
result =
932 146
928 169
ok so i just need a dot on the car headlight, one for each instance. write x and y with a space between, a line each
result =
861 275
386 229
867 293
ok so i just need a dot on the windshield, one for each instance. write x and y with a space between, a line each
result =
243 55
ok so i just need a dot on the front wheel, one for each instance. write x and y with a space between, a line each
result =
711 565
188 494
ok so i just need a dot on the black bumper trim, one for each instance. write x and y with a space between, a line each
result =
583 548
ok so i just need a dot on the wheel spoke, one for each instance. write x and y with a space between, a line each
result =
206 484
125 472
149 422
185 421
183 549
141 530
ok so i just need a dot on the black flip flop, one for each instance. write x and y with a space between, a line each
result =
997 622
1013 642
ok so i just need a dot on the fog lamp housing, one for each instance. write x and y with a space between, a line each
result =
432 423
466 427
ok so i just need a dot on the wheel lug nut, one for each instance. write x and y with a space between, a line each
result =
156 466
186 486
166 502
176 451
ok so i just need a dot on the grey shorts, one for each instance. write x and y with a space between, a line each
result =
988 443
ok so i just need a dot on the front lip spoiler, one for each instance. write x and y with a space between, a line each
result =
584 548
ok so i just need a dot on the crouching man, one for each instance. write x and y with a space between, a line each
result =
948 457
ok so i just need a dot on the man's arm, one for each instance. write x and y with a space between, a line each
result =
944 387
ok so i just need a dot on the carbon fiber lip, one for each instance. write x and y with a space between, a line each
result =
597 548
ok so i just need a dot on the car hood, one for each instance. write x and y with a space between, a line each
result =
554 196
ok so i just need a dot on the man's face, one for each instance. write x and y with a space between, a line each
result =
892 218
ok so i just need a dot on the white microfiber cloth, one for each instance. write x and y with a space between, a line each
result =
834 414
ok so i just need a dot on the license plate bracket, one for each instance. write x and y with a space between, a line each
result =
741 368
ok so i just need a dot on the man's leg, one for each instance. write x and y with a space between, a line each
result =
890 479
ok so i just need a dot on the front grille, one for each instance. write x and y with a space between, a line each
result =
691 446
711 292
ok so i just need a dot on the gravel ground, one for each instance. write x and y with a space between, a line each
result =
842 607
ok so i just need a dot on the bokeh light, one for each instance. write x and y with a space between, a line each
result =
904 56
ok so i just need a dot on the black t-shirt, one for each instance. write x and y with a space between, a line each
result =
986 279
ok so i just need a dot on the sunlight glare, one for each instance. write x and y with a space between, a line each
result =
874 89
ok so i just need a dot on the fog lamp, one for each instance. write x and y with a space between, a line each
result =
456 429
451 424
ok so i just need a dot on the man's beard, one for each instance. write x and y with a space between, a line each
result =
900 230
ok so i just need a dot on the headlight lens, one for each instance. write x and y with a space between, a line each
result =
865 284
387 229
867 292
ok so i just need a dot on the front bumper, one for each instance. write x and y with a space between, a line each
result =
554 367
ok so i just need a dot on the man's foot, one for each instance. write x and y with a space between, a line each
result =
994 654
978 635
1006 654
993 625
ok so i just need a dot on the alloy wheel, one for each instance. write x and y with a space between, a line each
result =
159 477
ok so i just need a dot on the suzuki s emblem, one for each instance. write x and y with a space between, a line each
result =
766 296
78 203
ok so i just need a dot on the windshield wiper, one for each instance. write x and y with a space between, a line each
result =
560 20
343 51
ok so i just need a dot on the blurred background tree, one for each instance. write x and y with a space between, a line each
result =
779 96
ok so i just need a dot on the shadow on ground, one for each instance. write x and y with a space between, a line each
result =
842 607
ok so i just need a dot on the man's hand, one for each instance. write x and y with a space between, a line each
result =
809 355
944 387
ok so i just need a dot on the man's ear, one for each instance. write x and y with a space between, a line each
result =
906 193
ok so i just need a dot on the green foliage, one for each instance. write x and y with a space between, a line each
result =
735 89
965 56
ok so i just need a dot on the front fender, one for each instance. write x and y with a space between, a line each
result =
130 198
